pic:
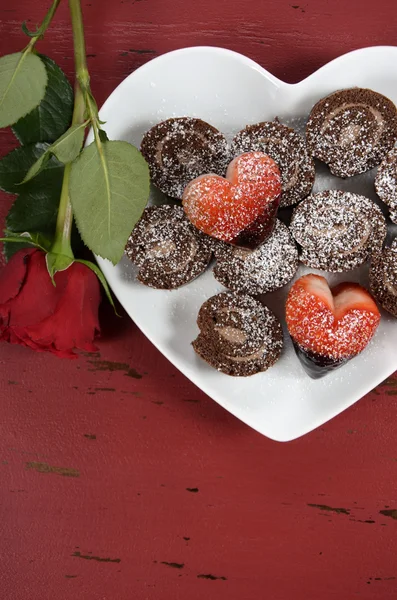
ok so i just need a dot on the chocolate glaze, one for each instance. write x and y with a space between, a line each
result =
259 230
316 365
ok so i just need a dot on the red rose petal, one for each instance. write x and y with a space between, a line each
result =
44 317
12 276
38 297
73 323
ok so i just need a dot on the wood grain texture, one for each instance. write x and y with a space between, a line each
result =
120 479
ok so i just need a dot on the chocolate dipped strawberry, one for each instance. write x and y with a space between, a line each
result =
328 327
241 208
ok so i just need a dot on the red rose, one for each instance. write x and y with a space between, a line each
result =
37 314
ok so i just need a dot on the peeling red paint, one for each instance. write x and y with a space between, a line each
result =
344 511
389 513
211 577
173 565
250 522
97 558
45 468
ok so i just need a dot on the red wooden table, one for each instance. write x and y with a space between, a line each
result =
122 481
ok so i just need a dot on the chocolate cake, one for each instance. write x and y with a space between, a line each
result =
288 149
383 278
239 336
386 182
168 250
352 130
259 271
178 150
337 231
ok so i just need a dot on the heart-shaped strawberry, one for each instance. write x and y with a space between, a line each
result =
241 208
329 326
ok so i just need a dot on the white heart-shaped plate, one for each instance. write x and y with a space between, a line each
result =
230 91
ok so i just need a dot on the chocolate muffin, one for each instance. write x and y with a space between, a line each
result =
178 150
383 278
168 250
239 336
259 271
337 231
288 149
352 130
386 183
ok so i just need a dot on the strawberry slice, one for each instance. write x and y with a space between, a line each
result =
241 208
329 326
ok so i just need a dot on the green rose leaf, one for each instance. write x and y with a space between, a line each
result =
50 119
35 212
40 240
31 212
23 80
66 149
35 209
109 188
26 238
57 262
14 242
14 166
19 239
37 166
102 280
103 136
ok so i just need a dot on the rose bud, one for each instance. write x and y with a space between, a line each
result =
44 317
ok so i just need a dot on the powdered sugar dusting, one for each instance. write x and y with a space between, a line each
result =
288 149
253 339
314 327
386 183
383 278
352 130
168 250
180 149
338 231
259 271
223 208
234 262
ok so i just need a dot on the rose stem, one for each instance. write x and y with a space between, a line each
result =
82 74
63 230
79 43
